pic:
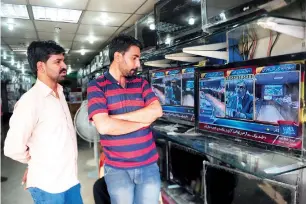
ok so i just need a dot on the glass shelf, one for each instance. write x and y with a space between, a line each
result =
259 162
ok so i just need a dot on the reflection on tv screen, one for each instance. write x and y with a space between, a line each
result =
257 103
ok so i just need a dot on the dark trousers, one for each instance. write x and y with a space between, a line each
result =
100 192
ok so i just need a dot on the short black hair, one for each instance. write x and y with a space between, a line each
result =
41 51
121 44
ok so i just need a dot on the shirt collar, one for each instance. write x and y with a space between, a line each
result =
46 90
114 81
110 77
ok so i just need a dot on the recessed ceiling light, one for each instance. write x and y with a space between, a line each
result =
4 55
191 21
91 39
14 11
168 41
152 26
104 19
82 52
56 14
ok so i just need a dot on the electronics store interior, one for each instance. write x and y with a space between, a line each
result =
229 75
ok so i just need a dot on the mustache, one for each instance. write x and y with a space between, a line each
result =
63 70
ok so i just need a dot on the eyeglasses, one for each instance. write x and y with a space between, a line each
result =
241 87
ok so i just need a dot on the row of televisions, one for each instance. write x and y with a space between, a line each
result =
260 100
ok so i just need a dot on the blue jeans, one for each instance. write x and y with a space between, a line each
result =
133 186
71 196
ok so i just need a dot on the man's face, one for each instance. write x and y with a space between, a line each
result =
241 90
55 68
129 62
173 84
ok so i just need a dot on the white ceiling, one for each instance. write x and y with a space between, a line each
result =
121 14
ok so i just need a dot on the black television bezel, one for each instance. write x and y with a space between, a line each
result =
258 63
170 119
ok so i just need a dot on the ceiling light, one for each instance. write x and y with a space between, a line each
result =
222 16
91 39
56 14
10 27
152 26
18 65
191 21
104 18
168 41
82 52
14 11
4 55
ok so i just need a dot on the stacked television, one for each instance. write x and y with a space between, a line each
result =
175 90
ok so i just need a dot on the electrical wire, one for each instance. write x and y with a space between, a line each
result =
270 45
274 42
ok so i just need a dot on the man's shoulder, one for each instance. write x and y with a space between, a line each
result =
29 98
100 81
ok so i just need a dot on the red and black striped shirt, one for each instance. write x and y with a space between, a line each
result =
106 95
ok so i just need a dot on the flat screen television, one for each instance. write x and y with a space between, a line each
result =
175 89
259 103
228 186
177 21
146 32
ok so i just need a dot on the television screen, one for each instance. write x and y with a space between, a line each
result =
256 103
177 20
146 32
240 187
175 89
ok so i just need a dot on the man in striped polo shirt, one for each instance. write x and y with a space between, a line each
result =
122 107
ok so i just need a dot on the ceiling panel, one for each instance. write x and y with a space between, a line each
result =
68 4
132 20
55 36
96 30
19 24
85 45
18 41
22 34
147 8
86 39
14 1
104 18
65 44
44 26
122 6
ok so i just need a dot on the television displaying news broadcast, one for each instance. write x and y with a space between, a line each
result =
175 89
256 103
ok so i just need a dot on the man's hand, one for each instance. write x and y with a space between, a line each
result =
24 179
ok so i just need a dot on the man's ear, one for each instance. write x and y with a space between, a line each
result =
40 66
117 56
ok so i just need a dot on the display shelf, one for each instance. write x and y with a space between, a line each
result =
252 160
